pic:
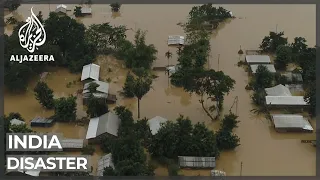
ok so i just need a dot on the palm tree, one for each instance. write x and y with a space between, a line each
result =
142 85
168 54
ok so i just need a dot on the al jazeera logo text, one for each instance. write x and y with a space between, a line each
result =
32 35
24 143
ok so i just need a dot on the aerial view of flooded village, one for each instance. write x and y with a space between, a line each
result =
166 90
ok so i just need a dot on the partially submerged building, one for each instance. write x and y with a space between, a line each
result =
102 92
104 162
86 11
72 144
258 59
197 162
175 40
291 123
105 125
270 67
286 101
61 9
155 124
41 122
278 90
90 72
16 122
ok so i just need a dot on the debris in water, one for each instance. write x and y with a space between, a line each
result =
240 52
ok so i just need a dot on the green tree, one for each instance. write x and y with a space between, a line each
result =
93 87
16 77
298 46
77 11
21 128
12 5
65 109
168 54
258 97
229 122
15 115
44 95
129 86
211 84
226 140
96 107
270 43
40 17
88 150
115 7
263 78
141 87
283 56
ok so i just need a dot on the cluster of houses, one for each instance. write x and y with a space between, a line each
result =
63 9
280 97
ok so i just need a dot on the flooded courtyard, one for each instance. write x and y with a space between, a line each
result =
262 151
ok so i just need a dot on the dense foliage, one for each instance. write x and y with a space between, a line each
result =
65 109
270 43
263 78
44 95
12 4
115 7
129 86
96 107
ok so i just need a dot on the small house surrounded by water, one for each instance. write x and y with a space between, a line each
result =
286 101
291 123
72 144
258 59
104 162
155 124
105 125
197 162
90 72
41 122
86 11
61 9
175 40
270 67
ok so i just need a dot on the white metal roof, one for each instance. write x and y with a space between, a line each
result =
62 6
34 173
259 59
155 124
201 162
291 121
16 122
107 123
270 67
86 10
90 71
72 143
286 100
103 87
104 161
175 40
278 90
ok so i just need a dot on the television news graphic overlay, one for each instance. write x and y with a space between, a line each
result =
32 35
33 142
41 142
48 163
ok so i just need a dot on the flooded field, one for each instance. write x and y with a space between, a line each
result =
262 150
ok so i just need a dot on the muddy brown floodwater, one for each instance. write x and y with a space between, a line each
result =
262 151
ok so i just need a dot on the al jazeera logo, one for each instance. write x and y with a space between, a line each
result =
31 36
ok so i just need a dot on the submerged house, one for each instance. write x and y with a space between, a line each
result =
270 67
41 122
197 162
155 124
105 125
175 40
86 11
286 101
90 72
61 9
104 162
258 59
102 92
278 90
72 144
291 123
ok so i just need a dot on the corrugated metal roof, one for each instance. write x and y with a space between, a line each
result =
107 123
261 59
86 10
90 71
291 121
199 162
103 87
96 95
104 161
62 6
270 67
155 124
175 40
16 122
278 90
286 100
41 120
72 143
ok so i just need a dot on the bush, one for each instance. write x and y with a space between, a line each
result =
258 97
88 150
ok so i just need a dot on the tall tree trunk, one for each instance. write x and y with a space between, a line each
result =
138 108
205 110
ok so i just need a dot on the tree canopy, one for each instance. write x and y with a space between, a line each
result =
65 109
270 43
44 95
96 107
